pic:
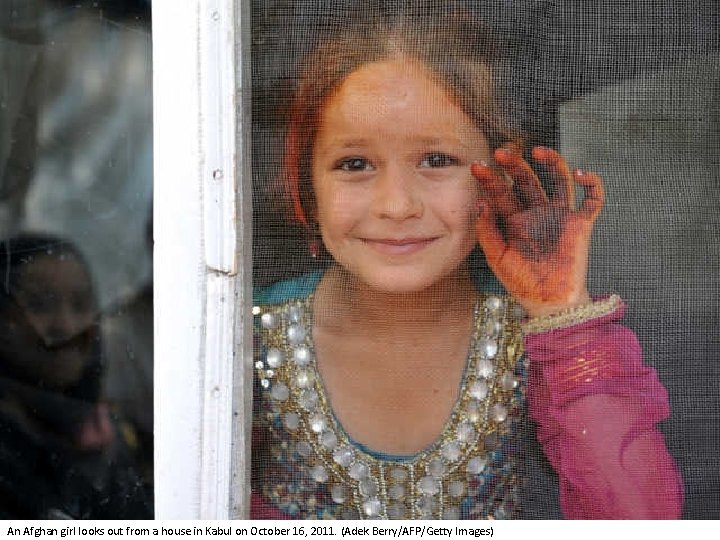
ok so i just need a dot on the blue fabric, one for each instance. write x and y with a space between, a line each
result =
289 289
301 287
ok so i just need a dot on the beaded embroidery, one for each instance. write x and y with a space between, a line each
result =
314 470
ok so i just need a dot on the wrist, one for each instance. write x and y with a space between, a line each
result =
548 309
579 315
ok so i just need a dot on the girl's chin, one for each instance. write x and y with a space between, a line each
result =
400 281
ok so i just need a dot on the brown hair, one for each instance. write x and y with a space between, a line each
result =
453 47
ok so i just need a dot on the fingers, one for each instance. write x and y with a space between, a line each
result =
488 234
528 186
497 190
562 187
594 194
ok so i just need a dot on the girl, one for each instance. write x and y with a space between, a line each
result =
391 384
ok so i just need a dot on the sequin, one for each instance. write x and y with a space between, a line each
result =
343 456
296 334
291 421
476 465
428 485
265 383
274 358
301 355
456 488
308 399
479 390
337 493
319 474
279 391
294 314
317 422
397 511
498 412
508 381
270 373
259 365
451 451
436 468
396 491
328 439
451 512
487 348
371 507
303 448
518 313
492 327
493 303
358 470
427 505
268 321
485 369
304 378
368 488
465 432
399 474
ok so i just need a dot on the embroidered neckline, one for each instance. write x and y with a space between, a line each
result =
425 485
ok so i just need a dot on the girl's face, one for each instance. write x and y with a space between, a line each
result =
396 202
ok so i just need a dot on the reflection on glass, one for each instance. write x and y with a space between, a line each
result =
62 454
75 236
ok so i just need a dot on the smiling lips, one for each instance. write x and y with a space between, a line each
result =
399 246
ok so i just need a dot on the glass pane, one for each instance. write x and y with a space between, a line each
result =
76 388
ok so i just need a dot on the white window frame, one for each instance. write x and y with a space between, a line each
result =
202 275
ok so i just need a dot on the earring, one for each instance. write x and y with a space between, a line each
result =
314 248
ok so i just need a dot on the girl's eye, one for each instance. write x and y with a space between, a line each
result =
353 164
438 159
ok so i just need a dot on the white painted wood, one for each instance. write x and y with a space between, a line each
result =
195 270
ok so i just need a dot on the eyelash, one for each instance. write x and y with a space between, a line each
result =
353 164
434 160
439 159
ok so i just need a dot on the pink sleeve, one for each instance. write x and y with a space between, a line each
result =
596 406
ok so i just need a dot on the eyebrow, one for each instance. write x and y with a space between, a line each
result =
360 143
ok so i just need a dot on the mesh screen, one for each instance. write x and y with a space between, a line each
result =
627 90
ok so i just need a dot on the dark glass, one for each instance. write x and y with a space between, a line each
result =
76 331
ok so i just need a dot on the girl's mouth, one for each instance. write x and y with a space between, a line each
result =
399 246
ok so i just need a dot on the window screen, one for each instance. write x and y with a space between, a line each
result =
627 90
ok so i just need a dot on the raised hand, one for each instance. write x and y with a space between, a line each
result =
537 243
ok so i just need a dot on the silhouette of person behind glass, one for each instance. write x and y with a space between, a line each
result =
60 452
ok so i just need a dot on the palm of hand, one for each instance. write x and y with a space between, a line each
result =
536 244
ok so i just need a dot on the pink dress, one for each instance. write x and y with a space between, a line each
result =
595 403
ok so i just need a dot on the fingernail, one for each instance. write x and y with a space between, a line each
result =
579 172
483 163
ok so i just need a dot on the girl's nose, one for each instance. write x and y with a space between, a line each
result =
397 195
